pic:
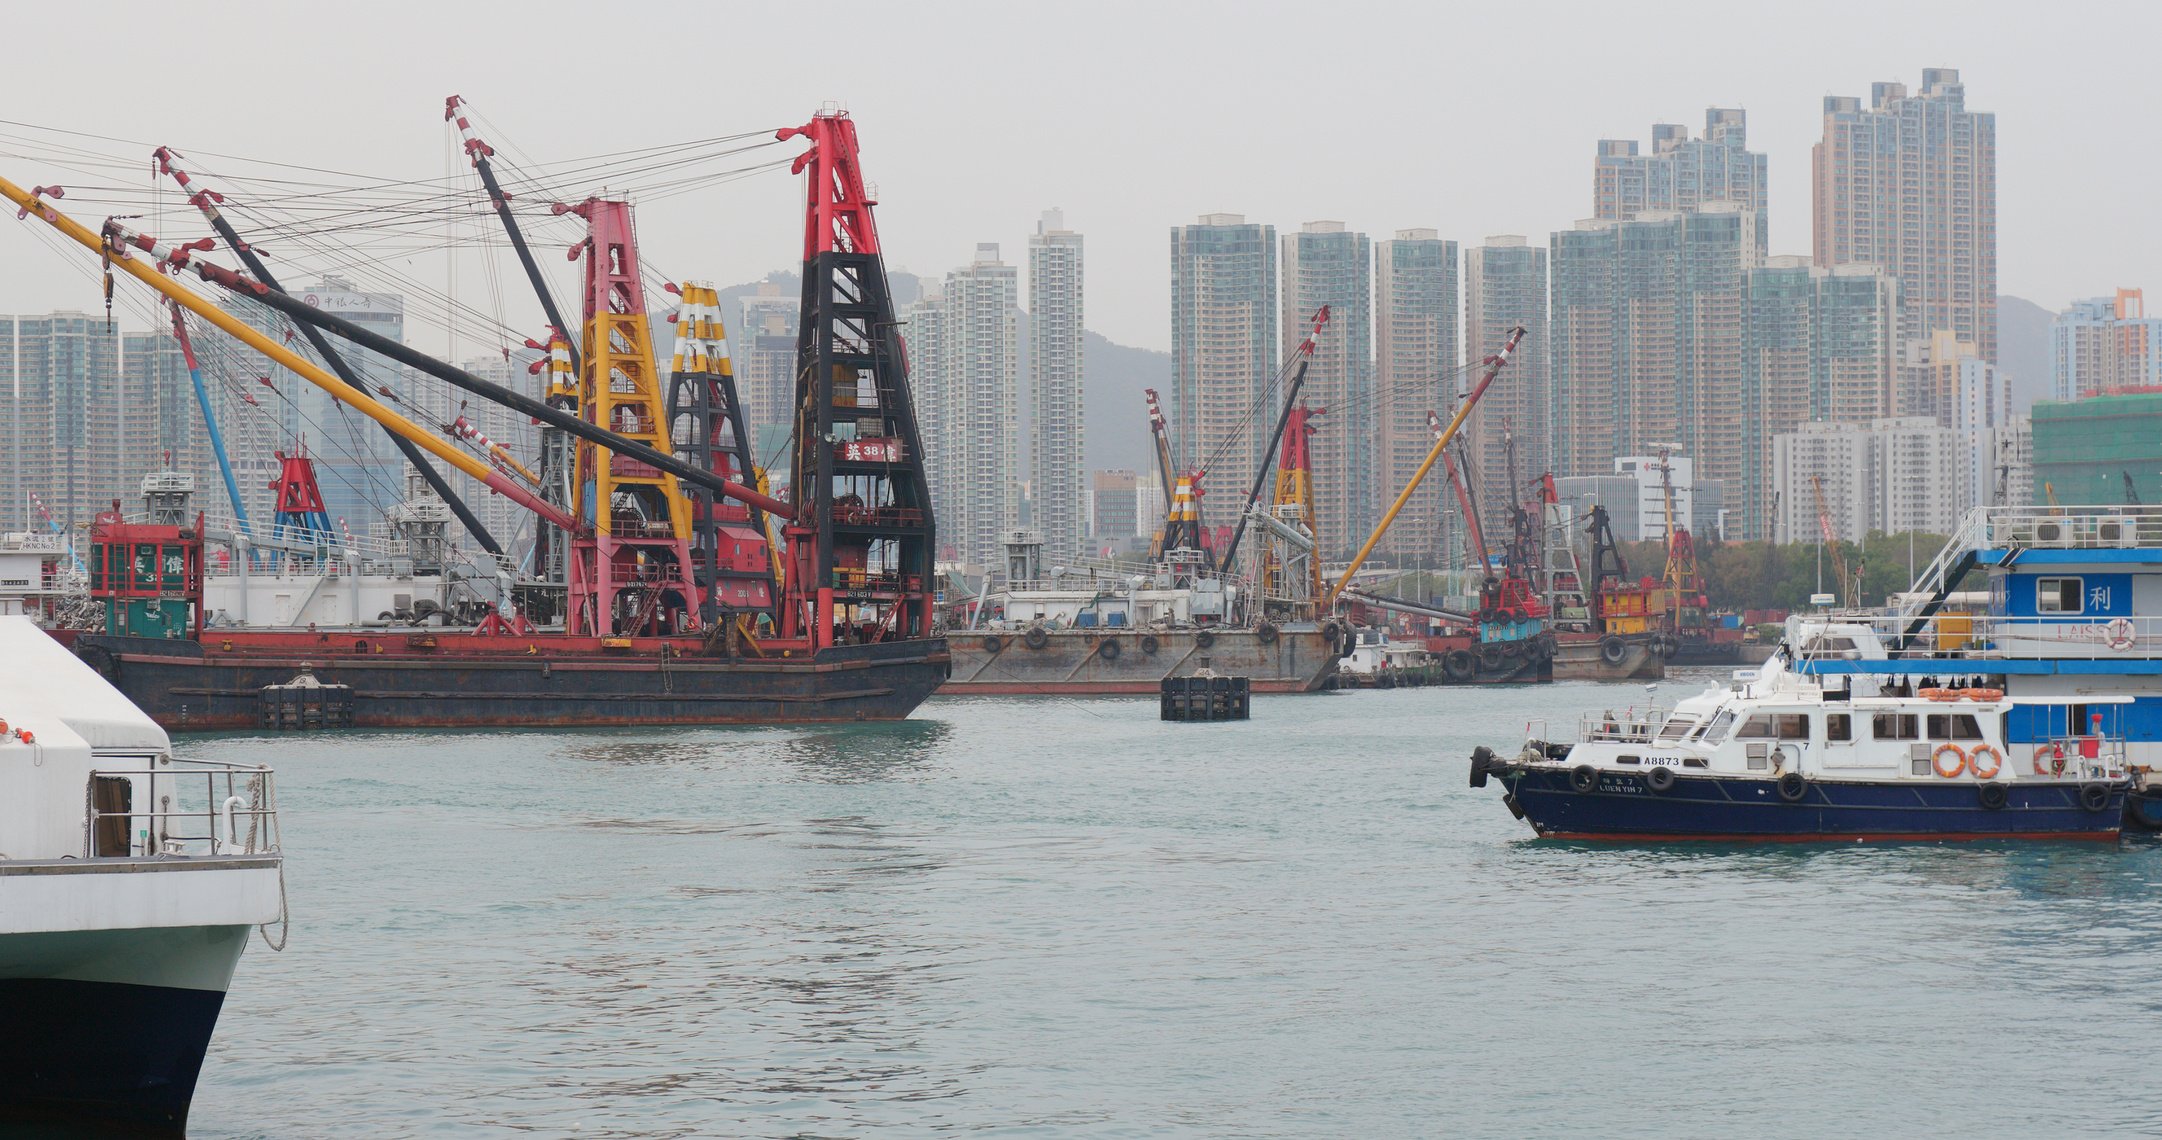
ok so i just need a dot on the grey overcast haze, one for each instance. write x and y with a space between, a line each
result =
1472 119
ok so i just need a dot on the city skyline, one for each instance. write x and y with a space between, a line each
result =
2063 237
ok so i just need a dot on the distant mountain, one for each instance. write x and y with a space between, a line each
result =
2023 353
1115 419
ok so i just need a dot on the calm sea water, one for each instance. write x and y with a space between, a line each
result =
1062 918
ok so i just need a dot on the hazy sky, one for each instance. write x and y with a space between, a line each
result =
1475 119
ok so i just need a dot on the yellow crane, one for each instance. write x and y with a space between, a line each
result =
1494 365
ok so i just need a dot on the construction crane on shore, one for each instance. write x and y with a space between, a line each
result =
1847 589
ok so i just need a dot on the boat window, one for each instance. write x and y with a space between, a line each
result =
1839 727
1715 730
1793 726
1677 728
1895 726
1951 726
2059 595
1758 727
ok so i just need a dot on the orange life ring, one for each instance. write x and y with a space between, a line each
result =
1939 694
1982 694
2055 767
1959 760
1974 762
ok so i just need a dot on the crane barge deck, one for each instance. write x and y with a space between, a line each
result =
681 603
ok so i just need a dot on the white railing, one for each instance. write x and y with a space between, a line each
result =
1635 726
195 808
1954 638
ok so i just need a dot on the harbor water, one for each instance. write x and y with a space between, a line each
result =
1064 918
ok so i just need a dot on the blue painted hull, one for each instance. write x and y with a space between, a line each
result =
120 1058
1734 808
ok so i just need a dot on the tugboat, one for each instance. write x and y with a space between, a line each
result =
2037 718
129 883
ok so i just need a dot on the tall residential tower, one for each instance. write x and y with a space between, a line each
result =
1325 264
1223 345
1055 383
1416 356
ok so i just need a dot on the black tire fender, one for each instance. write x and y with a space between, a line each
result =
1994 794
1036 638
1266 633
1204 639
1793 787
2094 797
993 643
1584 778
1659 778
1149 644
1481 758
1108 649
1459 665
1612 649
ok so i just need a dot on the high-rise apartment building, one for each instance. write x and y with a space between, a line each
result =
2105 344
1417 353
1820 347
1682 173
360 470
1055 384
963 353
1649 340
1117 501
1223 345
89 412
1325 264
1505 287
763 348
1897 474
1909 184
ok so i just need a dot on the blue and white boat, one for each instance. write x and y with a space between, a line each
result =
130 881
2040 717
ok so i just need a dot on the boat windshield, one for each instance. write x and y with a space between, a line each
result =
1677 728
1715 730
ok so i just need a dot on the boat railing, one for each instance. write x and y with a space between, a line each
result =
1962 637
1635 726
193 808
2087 757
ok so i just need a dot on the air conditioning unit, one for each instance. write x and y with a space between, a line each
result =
2049 531
2122 531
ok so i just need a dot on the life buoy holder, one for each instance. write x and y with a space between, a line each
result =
1959 760
1974 762
2048 760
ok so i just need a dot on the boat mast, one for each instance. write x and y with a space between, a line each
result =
210 418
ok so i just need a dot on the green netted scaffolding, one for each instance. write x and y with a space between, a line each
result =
2085 448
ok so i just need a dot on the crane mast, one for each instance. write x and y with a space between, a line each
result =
862 540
